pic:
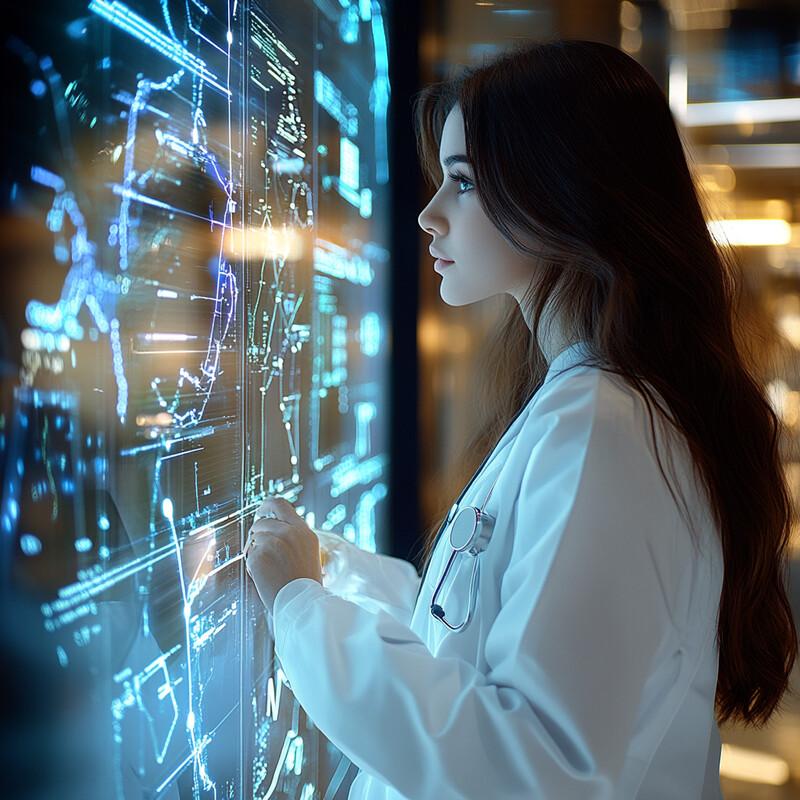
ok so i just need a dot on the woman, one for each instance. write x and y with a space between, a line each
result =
632 582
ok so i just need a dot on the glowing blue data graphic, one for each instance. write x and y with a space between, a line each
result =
129 21
199 206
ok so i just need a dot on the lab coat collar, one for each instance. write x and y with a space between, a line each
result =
567 359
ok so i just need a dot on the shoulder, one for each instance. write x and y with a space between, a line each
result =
590 440
588 406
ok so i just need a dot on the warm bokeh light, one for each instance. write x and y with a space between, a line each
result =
716 177
753 766
271 243
750 232
436 337
742 113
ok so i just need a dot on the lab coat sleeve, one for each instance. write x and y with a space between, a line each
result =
583 612
375 581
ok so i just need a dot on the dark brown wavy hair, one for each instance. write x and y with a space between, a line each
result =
578 163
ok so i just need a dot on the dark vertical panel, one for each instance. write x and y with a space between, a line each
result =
404 76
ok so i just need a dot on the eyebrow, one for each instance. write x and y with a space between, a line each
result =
459 158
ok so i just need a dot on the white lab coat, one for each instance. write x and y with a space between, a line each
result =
590 664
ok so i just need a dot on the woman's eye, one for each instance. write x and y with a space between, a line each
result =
465 184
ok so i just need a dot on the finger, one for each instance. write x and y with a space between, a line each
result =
263 531
279 508
271 527
267 546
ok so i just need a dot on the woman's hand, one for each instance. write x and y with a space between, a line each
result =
279 549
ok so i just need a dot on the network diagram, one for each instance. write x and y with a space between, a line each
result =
211 181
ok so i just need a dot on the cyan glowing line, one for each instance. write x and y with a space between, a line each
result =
370 334
225 299
349 473
47 178
197 747
126 98
174 143
353 196
274 689
227 563
348 163
168 20
119 370
333 101
364 517
84 284
182 453
337 262
336 780
97 312
381 89
168 337
365 205
279 764
138 104
365 414
294 758
129 21
165 690
130 194
70 597
197 32
174 772
227 291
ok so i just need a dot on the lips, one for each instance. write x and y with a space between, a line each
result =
440 264
439 256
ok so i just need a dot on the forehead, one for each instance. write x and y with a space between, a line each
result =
453 139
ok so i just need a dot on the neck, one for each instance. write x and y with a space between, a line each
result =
551 335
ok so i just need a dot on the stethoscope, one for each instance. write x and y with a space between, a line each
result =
470 532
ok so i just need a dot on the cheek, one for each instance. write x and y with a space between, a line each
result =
477 235
489 241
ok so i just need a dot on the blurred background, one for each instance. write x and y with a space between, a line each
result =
165 517
731 70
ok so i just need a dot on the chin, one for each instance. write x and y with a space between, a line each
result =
454 301
456 298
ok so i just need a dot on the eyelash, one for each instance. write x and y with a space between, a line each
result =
459 178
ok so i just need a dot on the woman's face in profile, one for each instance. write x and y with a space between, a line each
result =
479 261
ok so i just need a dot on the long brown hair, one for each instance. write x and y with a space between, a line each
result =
578 163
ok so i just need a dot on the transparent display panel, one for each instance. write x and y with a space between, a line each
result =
194 245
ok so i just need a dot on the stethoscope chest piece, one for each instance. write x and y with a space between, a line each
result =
471 531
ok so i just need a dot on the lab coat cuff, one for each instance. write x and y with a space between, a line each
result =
290 602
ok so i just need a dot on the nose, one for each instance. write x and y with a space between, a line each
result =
431 220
